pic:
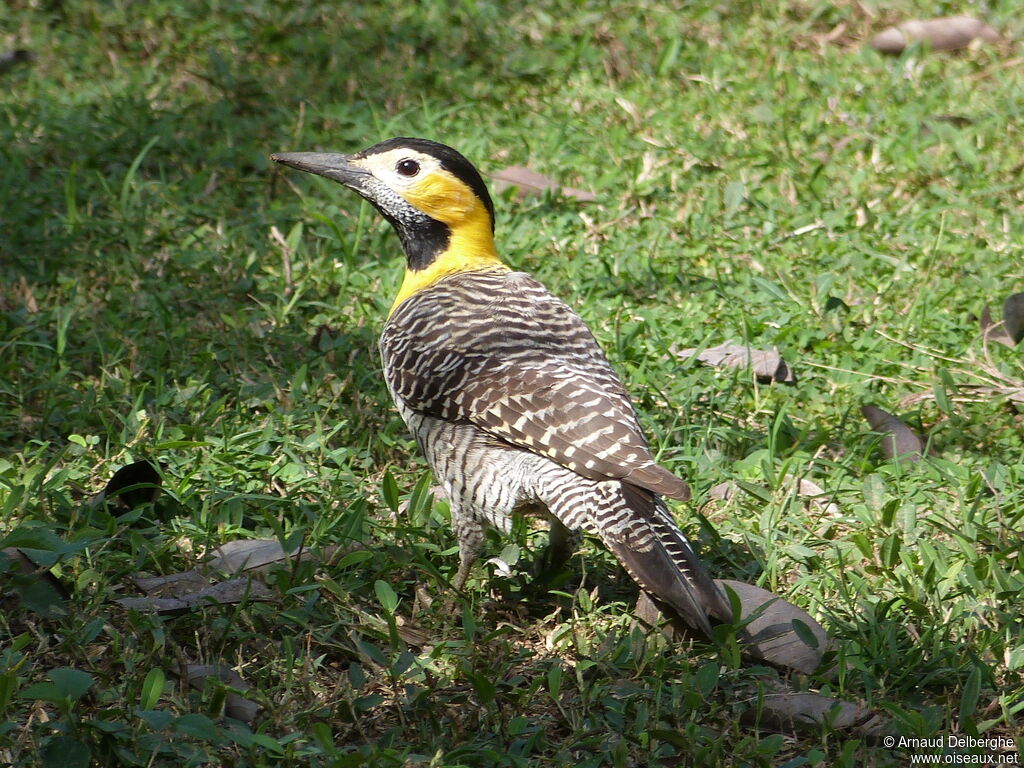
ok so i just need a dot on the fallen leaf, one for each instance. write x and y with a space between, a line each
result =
247 554
328 341
529 182
134 484
942 34
790 712
235 706
1013 317
958 121
724 491
172 584
413 635
778 635
814 493
899 439
228 592
995 331
20 560
257 555
501 568
10 59
35 586
28 567
767 364
836 33
774 636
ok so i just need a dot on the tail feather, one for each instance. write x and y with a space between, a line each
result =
660 559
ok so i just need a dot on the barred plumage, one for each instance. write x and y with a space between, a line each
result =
504 387
495 348
516 408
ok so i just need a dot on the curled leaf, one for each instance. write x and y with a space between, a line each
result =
134 484
781 634
528 182
501 567
943 34
1010 331
766 364
235 705
899 439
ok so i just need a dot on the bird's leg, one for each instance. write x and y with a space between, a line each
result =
562 543
470 533
466 560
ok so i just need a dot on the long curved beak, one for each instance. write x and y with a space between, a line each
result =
330 165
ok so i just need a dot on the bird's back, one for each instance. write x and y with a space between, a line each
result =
497 349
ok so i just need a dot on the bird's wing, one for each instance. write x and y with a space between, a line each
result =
572 418
537 380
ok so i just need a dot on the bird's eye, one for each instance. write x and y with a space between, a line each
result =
407 167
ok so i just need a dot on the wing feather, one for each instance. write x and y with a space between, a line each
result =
522 366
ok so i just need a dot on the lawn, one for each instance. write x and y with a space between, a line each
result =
762 177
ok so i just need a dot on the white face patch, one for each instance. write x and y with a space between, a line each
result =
400 168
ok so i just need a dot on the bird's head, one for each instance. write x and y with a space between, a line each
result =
432 195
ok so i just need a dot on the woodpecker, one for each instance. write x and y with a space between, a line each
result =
504 387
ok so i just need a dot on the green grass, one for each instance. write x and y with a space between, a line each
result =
756 184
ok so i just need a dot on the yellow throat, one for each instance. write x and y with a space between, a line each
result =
471 242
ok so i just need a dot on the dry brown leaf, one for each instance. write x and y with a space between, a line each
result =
900 440
724 491
133 484
767 364
248 554
27 567
223 593
993 331
235 705
257 555
815 494
172 584
808 489
791 712
771 637
529 182
1013 317
10 59
414 635
942 34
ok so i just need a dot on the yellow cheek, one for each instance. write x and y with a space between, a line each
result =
442 197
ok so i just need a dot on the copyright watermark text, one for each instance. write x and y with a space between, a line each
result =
946 750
